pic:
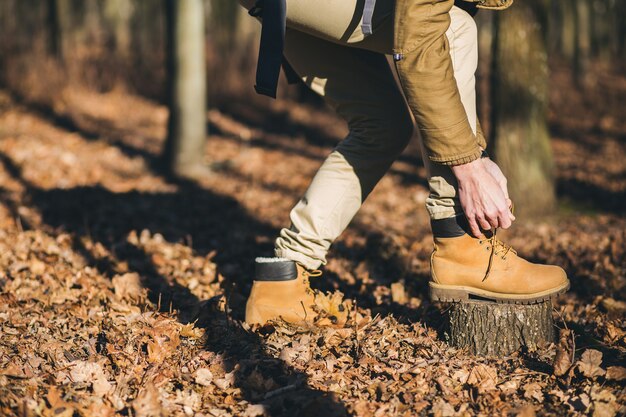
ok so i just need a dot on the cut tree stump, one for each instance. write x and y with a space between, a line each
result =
491 329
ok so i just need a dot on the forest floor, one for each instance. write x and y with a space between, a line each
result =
122 288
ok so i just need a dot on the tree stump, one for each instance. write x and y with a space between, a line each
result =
491 329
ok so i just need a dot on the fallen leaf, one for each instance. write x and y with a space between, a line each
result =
589 363
254 410
58 407
525 411
333 308
483 377
614 307
598 394
398 293
129 287
100 409
581 402
204 377
189 330
226 382
509 386
534 390
601 409
564 353
616 373
441 408
92 372
37 267
147 404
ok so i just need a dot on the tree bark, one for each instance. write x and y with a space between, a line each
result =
184 148
520 138
119 14
568 29
582 41
58 28
489 329
620 30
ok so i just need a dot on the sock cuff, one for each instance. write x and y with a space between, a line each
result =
275 269
269 260
451 227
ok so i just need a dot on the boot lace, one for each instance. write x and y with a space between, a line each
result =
311 274
497 247
306 275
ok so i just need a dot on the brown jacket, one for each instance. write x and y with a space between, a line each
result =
424 66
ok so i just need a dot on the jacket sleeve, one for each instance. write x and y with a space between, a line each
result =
480 136
424 65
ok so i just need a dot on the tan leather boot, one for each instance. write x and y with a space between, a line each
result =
281 290
464 267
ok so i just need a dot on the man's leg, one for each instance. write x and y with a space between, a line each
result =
463 266
443 200
360 86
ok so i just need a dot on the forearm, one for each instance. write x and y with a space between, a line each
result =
427 74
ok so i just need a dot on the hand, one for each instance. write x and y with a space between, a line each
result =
496 173
483 200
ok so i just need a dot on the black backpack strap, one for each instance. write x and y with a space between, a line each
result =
368 13
274 16
290 73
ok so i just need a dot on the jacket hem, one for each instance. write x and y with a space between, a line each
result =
457 159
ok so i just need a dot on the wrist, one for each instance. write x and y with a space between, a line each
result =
465 171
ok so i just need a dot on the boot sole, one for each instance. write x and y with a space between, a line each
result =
458 293
261 314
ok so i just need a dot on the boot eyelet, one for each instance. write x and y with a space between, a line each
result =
487 248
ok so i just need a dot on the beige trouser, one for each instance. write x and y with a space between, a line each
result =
326 47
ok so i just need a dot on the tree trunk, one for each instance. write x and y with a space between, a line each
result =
184 148
619 31
582 42
567 29
489 329
54 47
233 36
58 28
520 138
119 14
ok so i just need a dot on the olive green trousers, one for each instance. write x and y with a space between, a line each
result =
325 45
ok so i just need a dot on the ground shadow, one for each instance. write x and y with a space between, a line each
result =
588 194
212 222
280 130
593 196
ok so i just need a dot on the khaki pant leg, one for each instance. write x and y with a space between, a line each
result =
443 201
360 86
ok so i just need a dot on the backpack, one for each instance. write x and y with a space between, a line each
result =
274 16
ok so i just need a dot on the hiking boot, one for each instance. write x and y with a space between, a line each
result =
281 290
463 267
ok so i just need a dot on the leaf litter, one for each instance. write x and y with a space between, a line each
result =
106 312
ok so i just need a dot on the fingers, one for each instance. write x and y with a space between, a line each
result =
504 219
509 203
484 197
497 214
487 222
474 228
503 186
